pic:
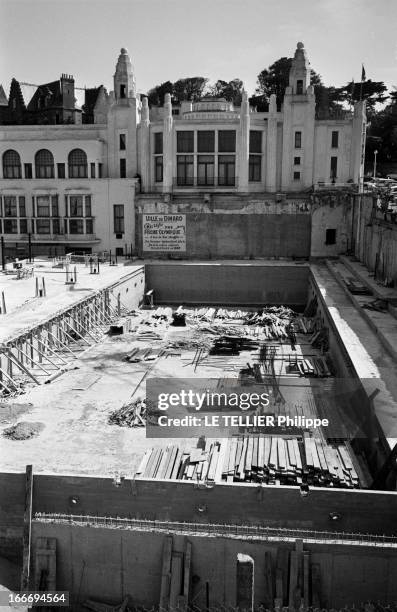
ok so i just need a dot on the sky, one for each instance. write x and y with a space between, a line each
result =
171 39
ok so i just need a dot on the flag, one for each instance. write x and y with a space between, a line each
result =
363 73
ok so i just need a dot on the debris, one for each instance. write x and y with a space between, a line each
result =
23 430
130 415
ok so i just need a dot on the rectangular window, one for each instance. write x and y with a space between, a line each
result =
122 142
158 168
56 227
297 161
118 218
335 140
255 141
334 167
23 226
299 87
43 206
123 171
92 166
330 236
184 169
185 142
205 169
43 226
298 140
22 206
205 141
76 206
158 143
99 170
76 226
297 176
227 141
226 170
54 206
88 206
28 171
10 226
10 207
89 226
254 168
61 171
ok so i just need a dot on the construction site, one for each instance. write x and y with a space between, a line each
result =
97 503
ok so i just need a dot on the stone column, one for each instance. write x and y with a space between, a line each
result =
243 145
167 145
271 148
144 146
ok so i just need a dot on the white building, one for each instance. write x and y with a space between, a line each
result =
73 187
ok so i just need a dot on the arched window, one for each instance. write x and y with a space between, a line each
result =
77 161
12 165
44 162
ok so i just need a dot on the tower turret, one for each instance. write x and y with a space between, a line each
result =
124 78
299 76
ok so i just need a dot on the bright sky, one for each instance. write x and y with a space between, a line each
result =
170 39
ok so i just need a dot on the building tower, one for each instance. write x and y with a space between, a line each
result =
299 76
124 78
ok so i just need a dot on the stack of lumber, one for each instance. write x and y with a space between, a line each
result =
310 367
269 460
143 354
130 415
232 345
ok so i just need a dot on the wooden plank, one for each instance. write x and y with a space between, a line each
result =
255 453
223 448
273 453
176 579
186 572
162 466
144 461
297 454
316 585
240 472
261 452
171 463
269 587
248 459
266 451
177 463
27 529
166 573
293 579
282 462
306 578
313 448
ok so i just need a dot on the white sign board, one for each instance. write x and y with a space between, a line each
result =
164 233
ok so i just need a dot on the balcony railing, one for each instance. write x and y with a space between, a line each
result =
196 182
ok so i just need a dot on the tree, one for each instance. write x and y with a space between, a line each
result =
156 95
373 92
382 137
232 91
191 88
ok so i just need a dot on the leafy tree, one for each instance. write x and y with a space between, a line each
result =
274 80
373 92
231 91
156 95
382 136
191 88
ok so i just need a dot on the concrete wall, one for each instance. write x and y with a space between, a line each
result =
240 236
86 558
376 241
130 289
228 284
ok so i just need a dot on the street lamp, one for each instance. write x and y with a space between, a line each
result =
375 154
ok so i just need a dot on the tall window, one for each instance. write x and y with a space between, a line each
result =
185 141
12 167
205 169
158 159
122 142
334 167
184 169
226 141
10 206
299 87
226 169
118 218
335 140
254 168
205 141
298 140
76 206
77 164
123 168
44 164
255 141
158 168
